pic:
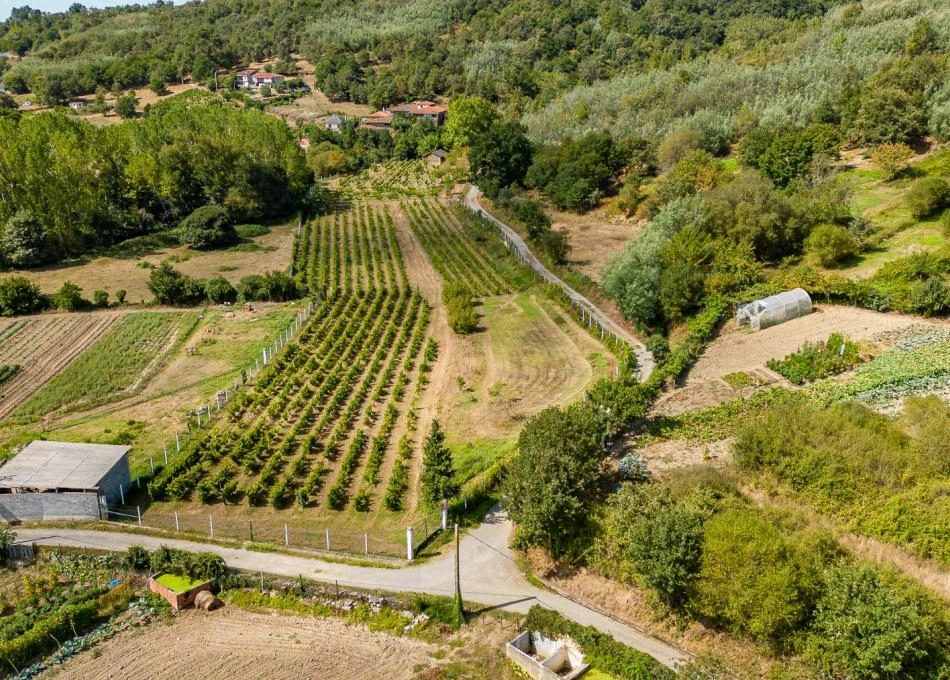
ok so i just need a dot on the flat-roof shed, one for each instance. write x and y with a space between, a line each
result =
45 466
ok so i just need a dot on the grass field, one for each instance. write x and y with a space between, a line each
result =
177 584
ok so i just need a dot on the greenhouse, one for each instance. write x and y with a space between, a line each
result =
774 309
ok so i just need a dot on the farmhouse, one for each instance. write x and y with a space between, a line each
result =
255 79
423 108
380 120
60 480
333 123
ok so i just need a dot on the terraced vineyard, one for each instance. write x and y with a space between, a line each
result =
392 179
317 427
453 253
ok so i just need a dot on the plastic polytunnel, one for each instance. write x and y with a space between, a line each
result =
774 309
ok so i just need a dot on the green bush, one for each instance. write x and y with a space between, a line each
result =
818 360
460 308
831 243
48 633
219 290
69 298
927 195
100 298
208 227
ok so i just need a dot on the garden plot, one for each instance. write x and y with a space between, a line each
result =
230 643
43 346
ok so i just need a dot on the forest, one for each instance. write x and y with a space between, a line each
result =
69 185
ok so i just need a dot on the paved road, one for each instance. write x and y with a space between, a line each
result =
489 574
589 309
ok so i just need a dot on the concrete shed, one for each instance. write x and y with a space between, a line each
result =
63 479
775 309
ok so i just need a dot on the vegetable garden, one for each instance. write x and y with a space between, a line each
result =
319 426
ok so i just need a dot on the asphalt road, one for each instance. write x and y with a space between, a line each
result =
645 363
489 575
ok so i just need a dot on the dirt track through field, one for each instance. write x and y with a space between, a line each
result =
230 643
43 346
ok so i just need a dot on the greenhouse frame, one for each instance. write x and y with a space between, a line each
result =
774 309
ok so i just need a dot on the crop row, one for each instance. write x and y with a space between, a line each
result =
455 257
352 250
8 372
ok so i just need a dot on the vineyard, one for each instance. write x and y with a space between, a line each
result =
353 250
319 426
8 373
43 347
120 361
392 179
454 254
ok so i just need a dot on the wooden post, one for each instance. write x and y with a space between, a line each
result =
250 531
286 536
176 521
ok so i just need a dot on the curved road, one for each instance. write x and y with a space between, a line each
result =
587 308
488 573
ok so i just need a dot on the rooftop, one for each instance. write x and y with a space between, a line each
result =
57 465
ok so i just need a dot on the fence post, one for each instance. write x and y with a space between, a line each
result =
286 536
409 544
177 443
250 530
445 514
328 539
211 525
209 412
138 511
366 543
199 419
151 461
165 448
176 521
138 481
121 494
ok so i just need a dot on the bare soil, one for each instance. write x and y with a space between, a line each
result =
742 350
595 237
273 251
231 643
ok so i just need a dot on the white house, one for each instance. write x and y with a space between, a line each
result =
256 79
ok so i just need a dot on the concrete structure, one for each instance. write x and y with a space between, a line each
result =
546 659
49 480
178 601
774 309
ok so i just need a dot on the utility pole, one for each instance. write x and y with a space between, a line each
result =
458 580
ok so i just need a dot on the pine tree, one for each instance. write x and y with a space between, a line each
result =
438 471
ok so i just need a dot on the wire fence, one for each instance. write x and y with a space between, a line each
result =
321 538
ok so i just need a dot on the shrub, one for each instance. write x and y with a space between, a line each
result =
120 296
171 287
100 298
136 557
219 290
19 295
818 360
69 298
460 308
208 227
891 159
831 243
927 196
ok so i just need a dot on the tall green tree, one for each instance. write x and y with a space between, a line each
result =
468 119
553 479
438 480
500 157
22 242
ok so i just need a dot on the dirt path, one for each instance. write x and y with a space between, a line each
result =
231 643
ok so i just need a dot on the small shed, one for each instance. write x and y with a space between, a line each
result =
775 309
436 157
333 123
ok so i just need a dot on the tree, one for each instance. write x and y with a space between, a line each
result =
437 480
890 114
19 295
468 119
830 244
869 624
553 479
125 105
676 145
156 84
891 159
22 241
69 298
7 538
208 227
656 537
100 298
500 157
790 154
